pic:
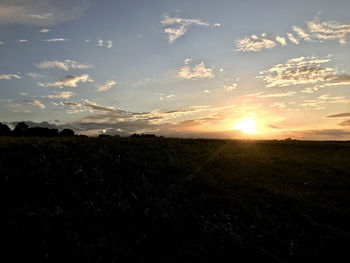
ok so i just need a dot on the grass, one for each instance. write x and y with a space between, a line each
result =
174 200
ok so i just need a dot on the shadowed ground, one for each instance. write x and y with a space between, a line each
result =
174 200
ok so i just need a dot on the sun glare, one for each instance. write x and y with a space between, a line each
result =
246 126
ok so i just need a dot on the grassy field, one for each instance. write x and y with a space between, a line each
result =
174 200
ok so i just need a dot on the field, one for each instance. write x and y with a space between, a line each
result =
174 200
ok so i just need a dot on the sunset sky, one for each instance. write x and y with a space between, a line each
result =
187 68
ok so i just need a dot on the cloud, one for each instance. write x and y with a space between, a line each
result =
254 43
36 102
346 114
1 43
322 101
188 60
177 27
281 40
165 97
22 41
45 30
40 12
230 87
317 30
41 16
292 38
10 76
105 43
61 95
18 108
278 95
56 40
108 85
199 71
345 123
301 33
68 81
302 71
65 65
35 75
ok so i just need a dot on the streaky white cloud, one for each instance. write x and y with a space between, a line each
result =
56 40
199 71
35 75
254 43
65 65
68 81
61 95
322 101
10 76
302 33
292 38
108 85
22 41
304 71
45 30
278 95
317 30
1 43
40 12
37 103
177 27
281 40
41 16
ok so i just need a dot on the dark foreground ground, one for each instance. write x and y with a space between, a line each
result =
173 200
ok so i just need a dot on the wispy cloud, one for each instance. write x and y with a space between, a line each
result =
56 40
45 30
301 71
108 85
40 12
41 16
1 43
345 123
10 76
292 38
322 101
105 43
36 103
176 26
340 115
254 43
199 71
317 30
61 95
278 95
281 40
65 65
35 75
68 81
22 41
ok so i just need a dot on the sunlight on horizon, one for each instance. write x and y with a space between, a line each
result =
246 125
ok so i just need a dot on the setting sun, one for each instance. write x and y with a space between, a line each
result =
246 126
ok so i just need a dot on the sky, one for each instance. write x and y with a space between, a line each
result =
233 69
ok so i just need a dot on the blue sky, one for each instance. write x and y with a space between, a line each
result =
178 68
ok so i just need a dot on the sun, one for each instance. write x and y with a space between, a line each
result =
246 126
